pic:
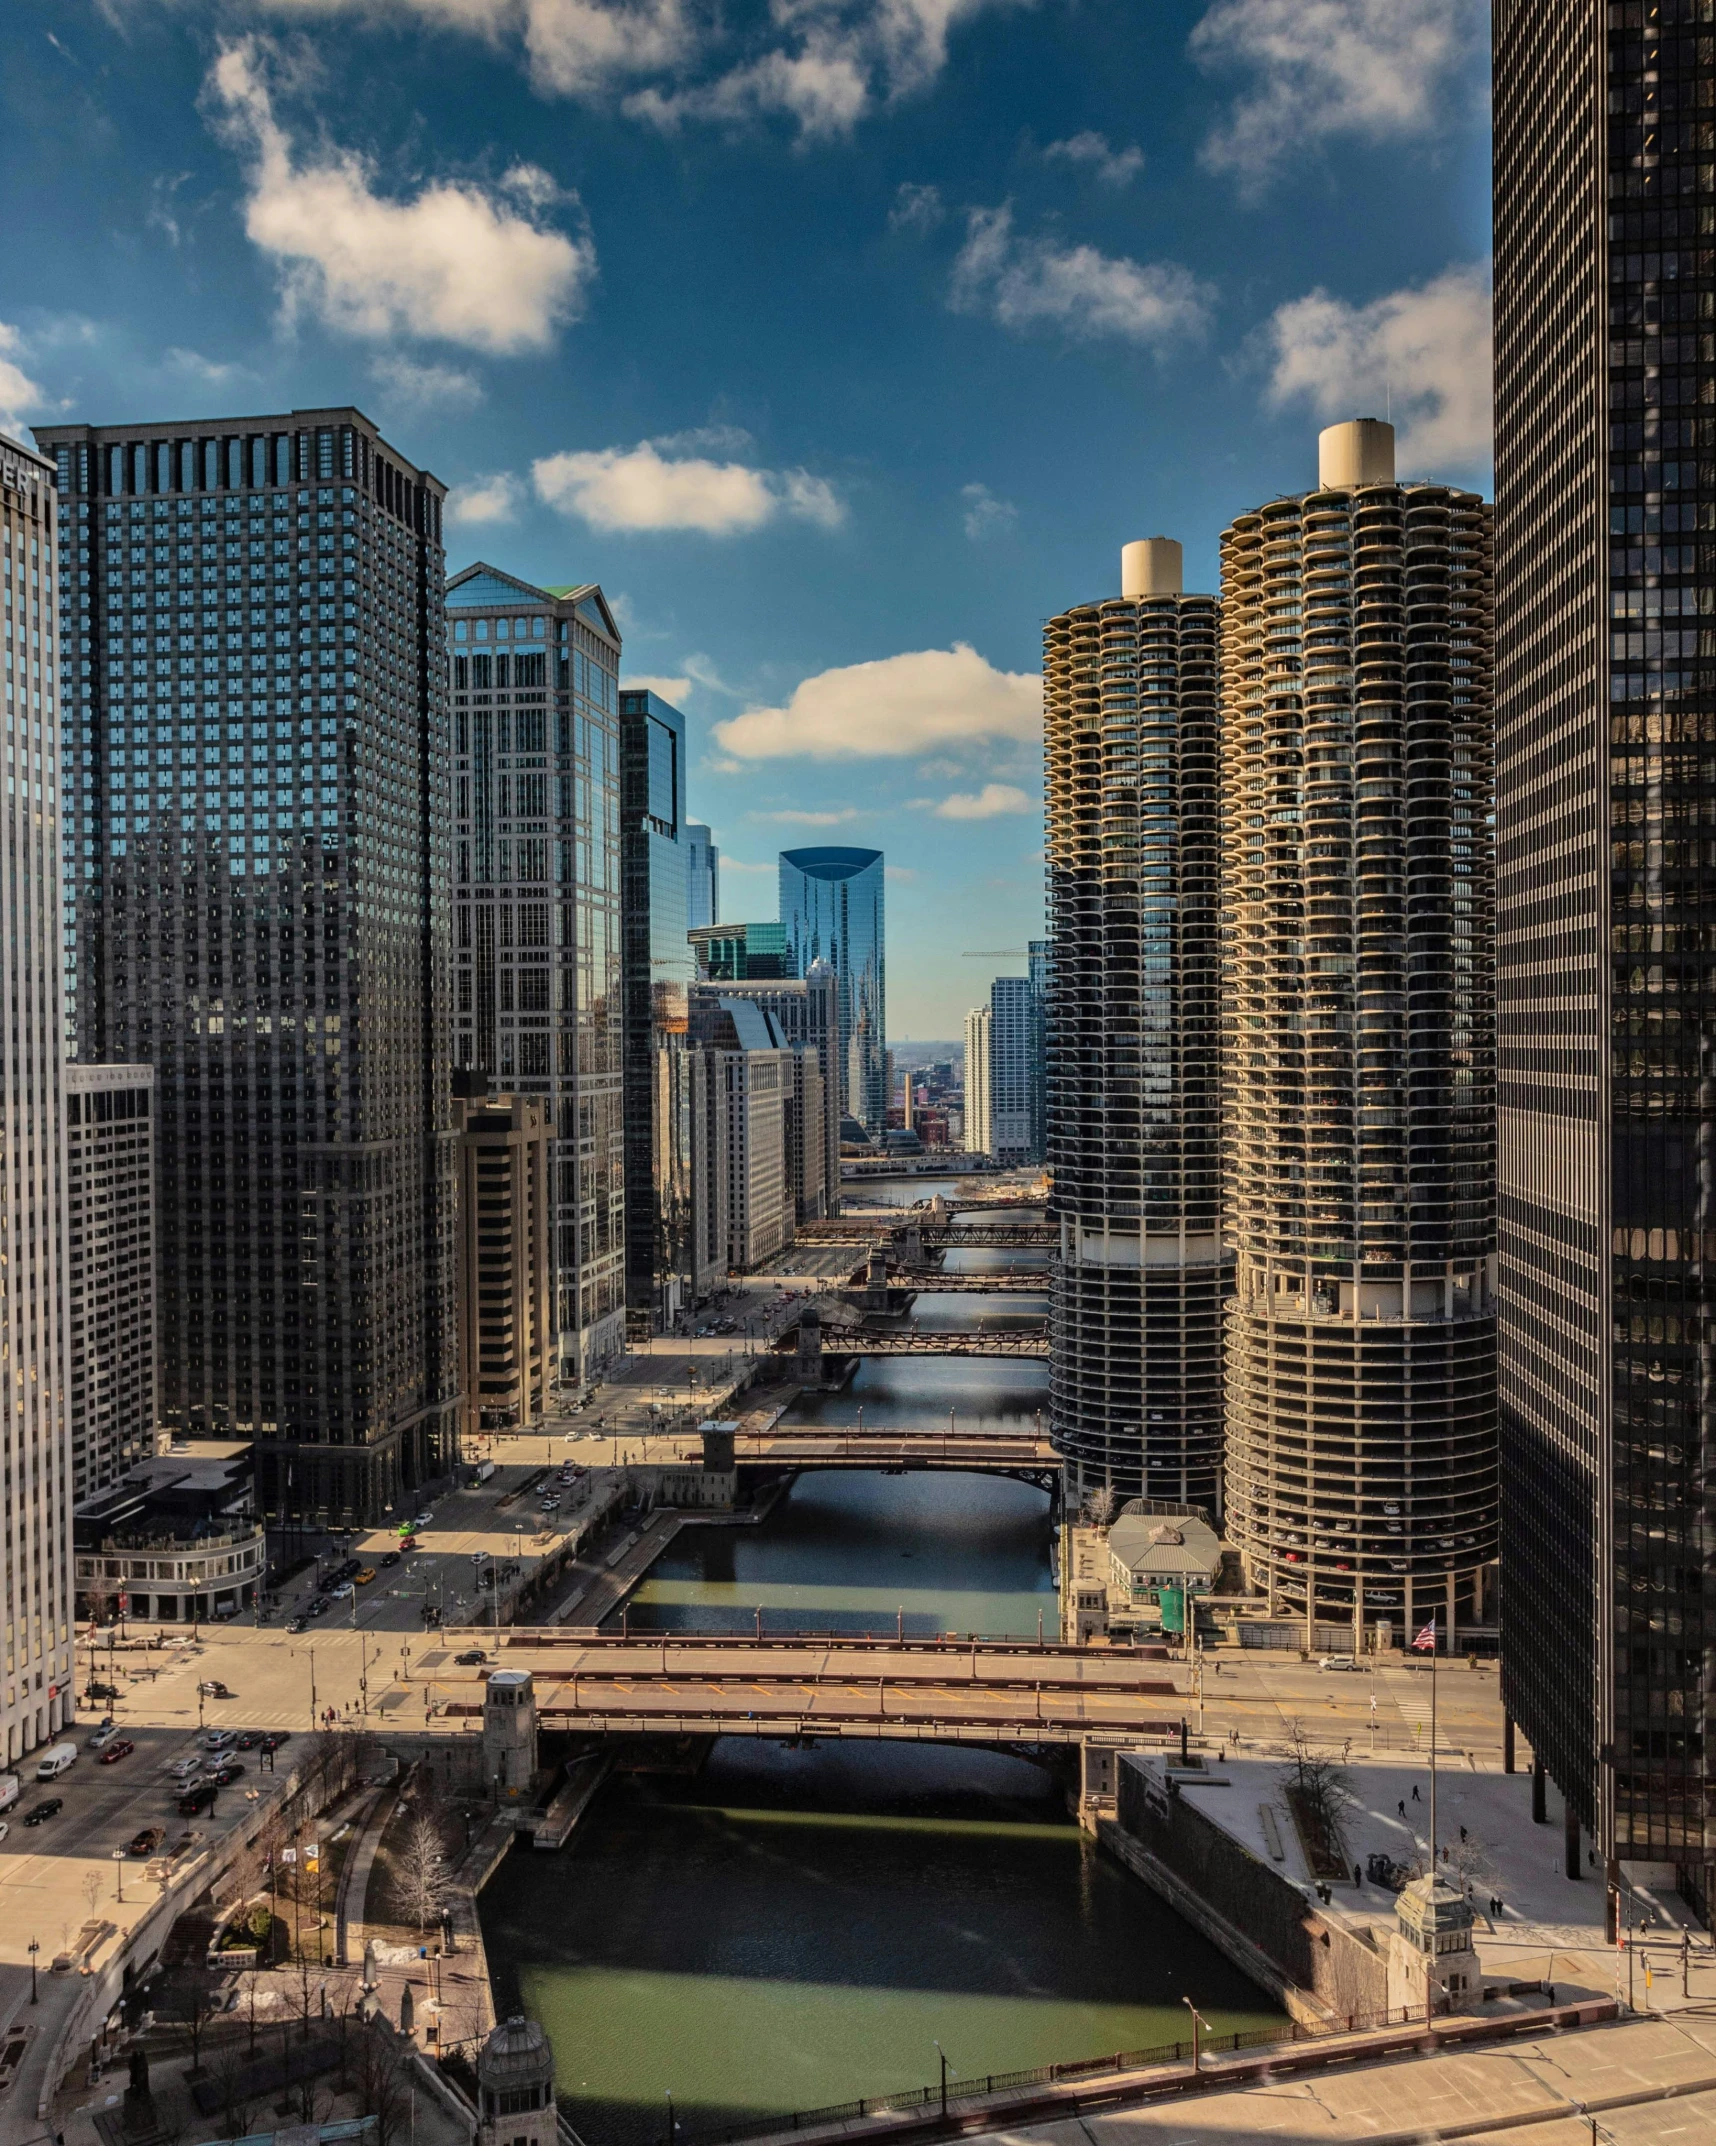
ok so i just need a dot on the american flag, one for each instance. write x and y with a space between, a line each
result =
1425 1643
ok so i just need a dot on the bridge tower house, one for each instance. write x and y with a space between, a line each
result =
809 1369
515 2087
509 1734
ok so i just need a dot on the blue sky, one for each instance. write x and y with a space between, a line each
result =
842 341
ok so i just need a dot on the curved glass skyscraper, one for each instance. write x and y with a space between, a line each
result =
831 908
1129 737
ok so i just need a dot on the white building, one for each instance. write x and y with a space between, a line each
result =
742 1193
978 1037
36 1697
110 1266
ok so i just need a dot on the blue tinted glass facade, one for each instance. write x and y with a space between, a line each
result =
832 910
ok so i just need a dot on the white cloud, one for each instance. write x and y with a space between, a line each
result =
456 262
899 705
670 689
988 803
799 818
738 864
209 372
901 874
916 208
1373 69
1027 283
409 385
641 488
985 515
1112 167
19 394
485 500
1425 353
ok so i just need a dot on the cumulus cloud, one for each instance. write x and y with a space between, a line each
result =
411 386
1031 282
896 706
670 689
1374 70
20 396
795 817
1425 351
1112 167
988 803
455 262
642 488
985 515
485 500
916 208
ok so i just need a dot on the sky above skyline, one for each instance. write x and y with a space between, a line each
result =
842 341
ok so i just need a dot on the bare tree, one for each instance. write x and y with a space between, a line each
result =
91 1890
381 2080
1319 1792
422 1870
1099 1505
229 2068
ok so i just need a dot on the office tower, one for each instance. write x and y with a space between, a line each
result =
1014 1075
1037 969
743 1201
507 1335
1132 1031
35 1440
832 907
1605 770
702 877
1359 1042
658 970
979 1036
806 1012
257 873
740 953
110 1270
536 911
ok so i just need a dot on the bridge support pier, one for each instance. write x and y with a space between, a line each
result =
1097 1790
876 1279
809 1369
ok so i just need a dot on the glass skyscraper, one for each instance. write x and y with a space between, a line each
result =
1605 191
832 910
658 974
536 866
256 879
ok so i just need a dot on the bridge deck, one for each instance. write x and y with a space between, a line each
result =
933 1341
808 1446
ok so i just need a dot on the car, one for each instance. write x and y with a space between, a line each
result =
275 1738
106 1692
389 1558
341 1592
147 1841
103 1736
197 1796
408 1542
249 1740
42 1812
182 1769
213 1688
316 1605
295 1625
224 1775
5 1828
218 1739
363 1576
1337 1661
117 1751
470 1658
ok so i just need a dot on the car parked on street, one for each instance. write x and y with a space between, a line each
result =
197 1796
249 1740
470 1658
275 1738
218 1739
147 1841
223 1776
183 1768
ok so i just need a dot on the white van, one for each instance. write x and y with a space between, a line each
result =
55 1760
9 1790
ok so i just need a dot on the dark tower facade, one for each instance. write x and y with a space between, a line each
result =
257 780
1606 910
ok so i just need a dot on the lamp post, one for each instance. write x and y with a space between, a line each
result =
1198 2021
945 2070
119 1874
33 1948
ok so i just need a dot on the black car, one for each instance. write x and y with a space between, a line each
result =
275 1738
249 1740
146 1842
225 1774
469 1660
388 1557
195 1797
102 1691
43 1811
296 1624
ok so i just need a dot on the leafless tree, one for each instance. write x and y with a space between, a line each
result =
1320 1792
381 2079
91 1890
229 2068
422 1870
1099 1505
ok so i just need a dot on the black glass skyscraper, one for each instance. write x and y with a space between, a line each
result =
254 678
832 909
1606 909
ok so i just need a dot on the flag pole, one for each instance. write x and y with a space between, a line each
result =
1435 1649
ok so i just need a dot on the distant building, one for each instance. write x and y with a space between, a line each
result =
537 959
702 877
1038 973
831 904
807 1013
743 1205
979 1036
1154 1549
506 1295
1003 1072
741 953
176 1540
658 973
110 1270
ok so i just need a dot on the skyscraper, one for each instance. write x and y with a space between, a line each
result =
506 1279
979 1041
658 971
702 877
1605 795
1133 1115
806 1010
832 907
1003 1072
536 884
256 883
736 953
110 1270
1037 968
35 1437
1359 1042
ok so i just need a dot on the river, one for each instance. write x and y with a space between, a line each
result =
789 1929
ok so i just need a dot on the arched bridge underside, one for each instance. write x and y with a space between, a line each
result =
948 1341
1025 1459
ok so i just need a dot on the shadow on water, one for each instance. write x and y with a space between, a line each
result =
799 1927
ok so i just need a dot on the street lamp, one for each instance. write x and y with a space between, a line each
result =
33 1948
119 1874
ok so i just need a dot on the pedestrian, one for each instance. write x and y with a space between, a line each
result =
1415 1795
1358 1875
1462 1832
1402 1808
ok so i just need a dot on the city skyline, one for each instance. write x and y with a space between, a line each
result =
844 467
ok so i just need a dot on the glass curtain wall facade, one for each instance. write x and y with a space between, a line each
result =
1359 1042
1132 1029
36 1594
658 974
1605 197
832 907
257 875
110 1249
536 960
